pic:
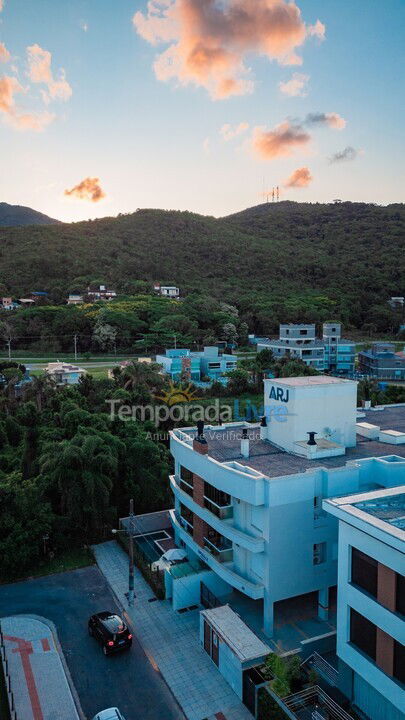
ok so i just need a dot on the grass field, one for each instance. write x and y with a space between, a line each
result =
69 560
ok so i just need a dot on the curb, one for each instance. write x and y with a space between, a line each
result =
58 646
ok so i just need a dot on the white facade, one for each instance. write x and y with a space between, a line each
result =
371 528
257 520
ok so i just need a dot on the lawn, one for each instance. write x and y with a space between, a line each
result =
69 560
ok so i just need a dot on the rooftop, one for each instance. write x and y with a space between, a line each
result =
380 509
390 509
244 643
310 380
224 444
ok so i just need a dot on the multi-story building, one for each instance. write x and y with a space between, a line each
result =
183 364
100 292
382 362
371 599
331 353
248 498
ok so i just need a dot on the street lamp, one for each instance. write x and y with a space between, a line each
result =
131 554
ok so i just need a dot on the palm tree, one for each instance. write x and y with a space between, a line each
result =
40 389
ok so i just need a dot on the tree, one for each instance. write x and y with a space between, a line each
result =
104 335
230 333
238 382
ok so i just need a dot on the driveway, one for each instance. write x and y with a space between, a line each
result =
126 680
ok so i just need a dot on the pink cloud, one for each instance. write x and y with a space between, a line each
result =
300 178
1 5
296 86
208 41
19 120
88 189
39 71
282 141
4 53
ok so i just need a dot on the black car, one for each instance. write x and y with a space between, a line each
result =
110 631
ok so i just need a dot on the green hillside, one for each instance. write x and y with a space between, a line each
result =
273 260
14 215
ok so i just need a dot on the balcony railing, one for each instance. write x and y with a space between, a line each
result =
186 524
224 512
186 487
220 548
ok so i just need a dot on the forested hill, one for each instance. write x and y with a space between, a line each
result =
14 215
272 254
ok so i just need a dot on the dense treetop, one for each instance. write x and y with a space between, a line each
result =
284 260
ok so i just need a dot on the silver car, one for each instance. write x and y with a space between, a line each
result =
109 714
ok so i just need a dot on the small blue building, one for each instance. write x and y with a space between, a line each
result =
182 364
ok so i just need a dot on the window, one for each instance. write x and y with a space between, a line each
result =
319 553
399 661
364 571
213 365
303 332
400 594
363 634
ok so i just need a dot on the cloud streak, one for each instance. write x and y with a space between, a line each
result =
4 53
296 86
348 154
282 141
332 120
300 178
209 42
230 132
39 71
88 189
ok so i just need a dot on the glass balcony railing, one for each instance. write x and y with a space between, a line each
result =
186 487
185 523
220 548
224 512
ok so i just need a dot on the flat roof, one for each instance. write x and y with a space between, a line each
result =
391 509
381 510
224 445
310 380
231 628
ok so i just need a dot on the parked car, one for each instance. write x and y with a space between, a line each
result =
109 714
110 631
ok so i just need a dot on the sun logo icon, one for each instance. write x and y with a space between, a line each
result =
176 394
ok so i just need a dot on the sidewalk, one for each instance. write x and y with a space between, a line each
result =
171 642
37 675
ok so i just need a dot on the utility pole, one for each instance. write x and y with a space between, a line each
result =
75 340
9 347
175 341
131 556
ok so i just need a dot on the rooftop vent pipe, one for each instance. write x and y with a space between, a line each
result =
311 440
263 428
244 444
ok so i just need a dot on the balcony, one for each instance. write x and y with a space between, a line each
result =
223 509
222 569
219 547
185 519
186 487
223 526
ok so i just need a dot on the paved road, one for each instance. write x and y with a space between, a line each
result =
126 680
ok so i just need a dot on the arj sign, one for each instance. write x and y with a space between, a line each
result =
277 393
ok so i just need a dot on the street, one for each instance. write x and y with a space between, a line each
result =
126 680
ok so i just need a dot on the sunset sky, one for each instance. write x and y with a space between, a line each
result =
111 105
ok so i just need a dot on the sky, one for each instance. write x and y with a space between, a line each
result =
107 106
